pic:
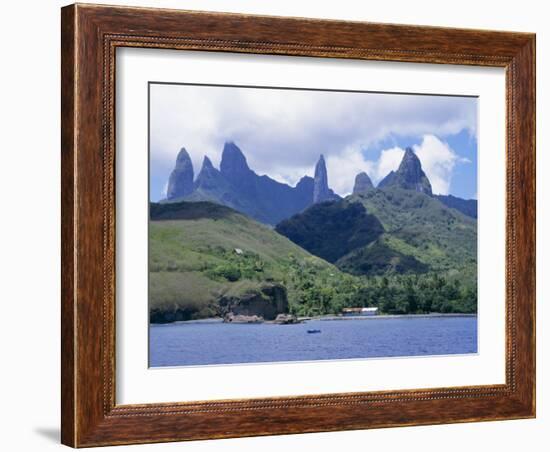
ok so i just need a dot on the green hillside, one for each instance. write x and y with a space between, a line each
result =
378 258
417 225
203 254
388 231
205 259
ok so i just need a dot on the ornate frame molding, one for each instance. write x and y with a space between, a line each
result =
90 37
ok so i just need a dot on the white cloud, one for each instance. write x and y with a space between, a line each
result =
438 161
283 132
343 167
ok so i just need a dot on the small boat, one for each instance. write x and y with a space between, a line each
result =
313 331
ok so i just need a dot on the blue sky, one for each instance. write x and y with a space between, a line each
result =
283 132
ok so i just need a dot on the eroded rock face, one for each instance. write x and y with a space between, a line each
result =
234 167
362 183
267 302
180 183
409 175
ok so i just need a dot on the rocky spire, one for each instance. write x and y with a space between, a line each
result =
409 175
321 191
233 164
234 168
362 183
180 183
208 175
207 164
206 167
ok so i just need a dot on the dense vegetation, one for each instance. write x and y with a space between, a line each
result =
466 206
332 229
410 233
378 258
420 226
202 252
396 294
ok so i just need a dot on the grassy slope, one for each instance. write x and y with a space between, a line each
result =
192 243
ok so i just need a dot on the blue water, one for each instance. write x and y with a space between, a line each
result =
184 344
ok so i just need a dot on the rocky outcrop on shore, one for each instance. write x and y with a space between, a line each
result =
286 319
239 318
266 302
169 316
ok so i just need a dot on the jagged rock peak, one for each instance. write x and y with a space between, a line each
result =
207 163
362 183
233 160
410 170
209 177
182 158
409 175
180 182
321 191
207 170
410 162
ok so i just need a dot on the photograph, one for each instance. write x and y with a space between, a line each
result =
290 224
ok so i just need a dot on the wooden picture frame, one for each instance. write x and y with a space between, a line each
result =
90 36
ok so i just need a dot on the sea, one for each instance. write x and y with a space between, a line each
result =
215 343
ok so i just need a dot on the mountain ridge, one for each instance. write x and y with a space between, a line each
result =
266 200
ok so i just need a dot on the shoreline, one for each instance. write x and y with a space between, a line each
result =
391 316
328 318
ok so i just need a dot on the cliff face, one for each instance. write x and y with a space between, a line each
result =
267 302
321 190
234 168
320 181
180 183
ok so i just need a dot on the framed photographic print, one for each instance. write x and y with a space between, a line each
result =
281 225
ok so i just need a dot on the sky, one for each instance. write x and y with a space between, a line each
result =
282 133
